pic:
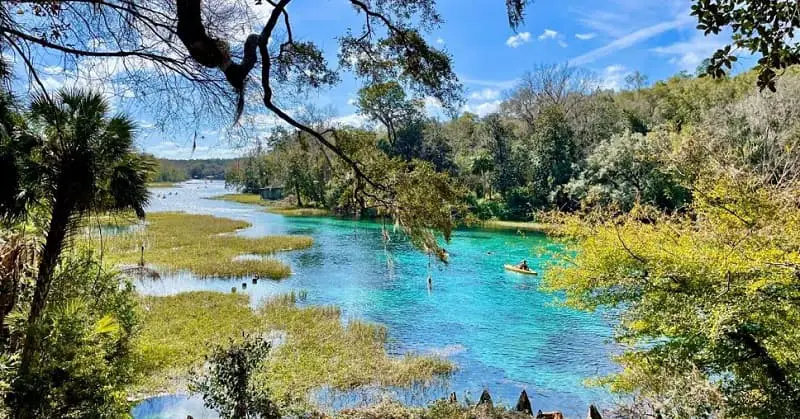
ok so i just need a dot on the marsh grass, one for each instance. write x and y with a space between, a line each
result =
321 351
242 198
318 349
163 185
178 331
299 212
518 225
275 207
202 244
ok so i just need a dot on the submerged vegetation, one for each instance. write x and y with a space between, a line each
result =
202 244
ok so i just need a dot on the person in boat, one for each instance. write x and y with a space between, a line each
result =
524 265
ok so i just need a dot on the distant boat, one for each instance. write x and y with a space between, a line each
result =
517 269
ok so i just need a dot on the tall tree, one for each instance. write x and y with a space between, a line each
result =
387 103
75 160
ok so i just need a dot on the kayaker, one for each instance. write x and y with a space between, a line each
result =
524 265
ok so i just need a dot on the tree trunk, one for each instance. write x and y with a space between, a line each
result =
297 194
56 233
772 368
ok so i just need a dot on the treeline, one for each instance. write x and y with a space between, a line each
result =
182 170
558 142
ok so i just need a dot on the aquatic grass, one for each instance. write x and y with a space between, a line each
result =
321 351
299 212
202 244
275 207
242 198
317 351
163 185
178 331
518 225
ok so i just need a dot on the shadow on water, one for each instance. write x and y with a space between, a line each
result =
502 332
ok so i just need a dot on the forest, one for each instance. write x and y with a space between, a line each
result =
181 170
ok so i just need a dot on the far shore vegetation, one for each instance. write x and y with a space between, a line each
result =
163 184
276 207
205 245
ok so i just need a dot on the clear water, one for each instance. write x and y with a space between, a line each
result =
502 332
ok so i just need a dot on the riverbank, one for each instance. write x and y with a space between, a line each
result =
525 226
275 207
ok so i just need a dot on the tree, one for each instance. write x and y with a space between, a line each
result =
710 299
553 153
547 86
629 169
73 159
227 385
763 27
387 103
635 80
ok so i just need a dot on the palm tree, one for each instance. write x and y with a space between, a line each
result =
73 160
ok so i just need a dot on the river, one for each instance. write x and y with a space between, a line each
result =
501 331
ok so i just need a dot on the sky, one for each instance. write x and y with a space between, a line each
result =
609 38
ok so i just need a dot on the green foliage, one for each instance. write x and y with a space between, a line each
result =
629 169
181 170
227 385
760 27
553 154
85 361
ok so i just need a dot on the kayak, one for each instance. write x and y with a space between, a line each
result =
513 268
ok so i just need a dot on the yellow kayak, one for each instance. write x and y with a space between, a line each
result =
516 269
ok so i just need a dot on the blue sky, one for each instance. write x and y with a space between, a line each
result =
609 38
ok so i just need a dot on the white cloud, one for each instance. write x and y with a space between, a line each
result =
440 41
431 103
518 39
562 43
687 55
485 94
498 84
613 77
482 109
51 84
352 120
53 69
628 40
585 36
548 34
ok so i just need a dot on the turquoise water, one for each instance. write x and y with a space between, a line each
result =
502 332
